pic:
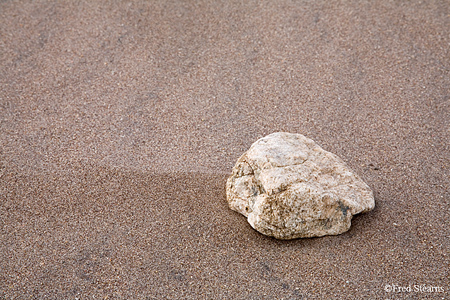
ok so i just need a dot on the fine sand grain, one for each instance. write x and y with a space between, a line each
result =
120 122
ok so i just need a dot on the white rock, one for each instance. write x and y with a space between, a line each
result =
288 187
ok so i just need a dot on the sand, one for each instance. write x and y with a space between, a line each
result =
120 123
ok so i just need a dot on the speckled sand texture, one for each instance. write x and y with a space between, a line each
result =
120 122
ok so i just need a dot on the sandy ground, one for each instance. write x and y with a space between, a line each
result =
120 122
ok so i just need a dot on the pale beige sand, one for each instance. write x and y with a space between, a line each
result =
120 122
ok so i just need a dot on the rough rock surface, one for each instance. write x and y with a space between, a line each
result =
288 187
